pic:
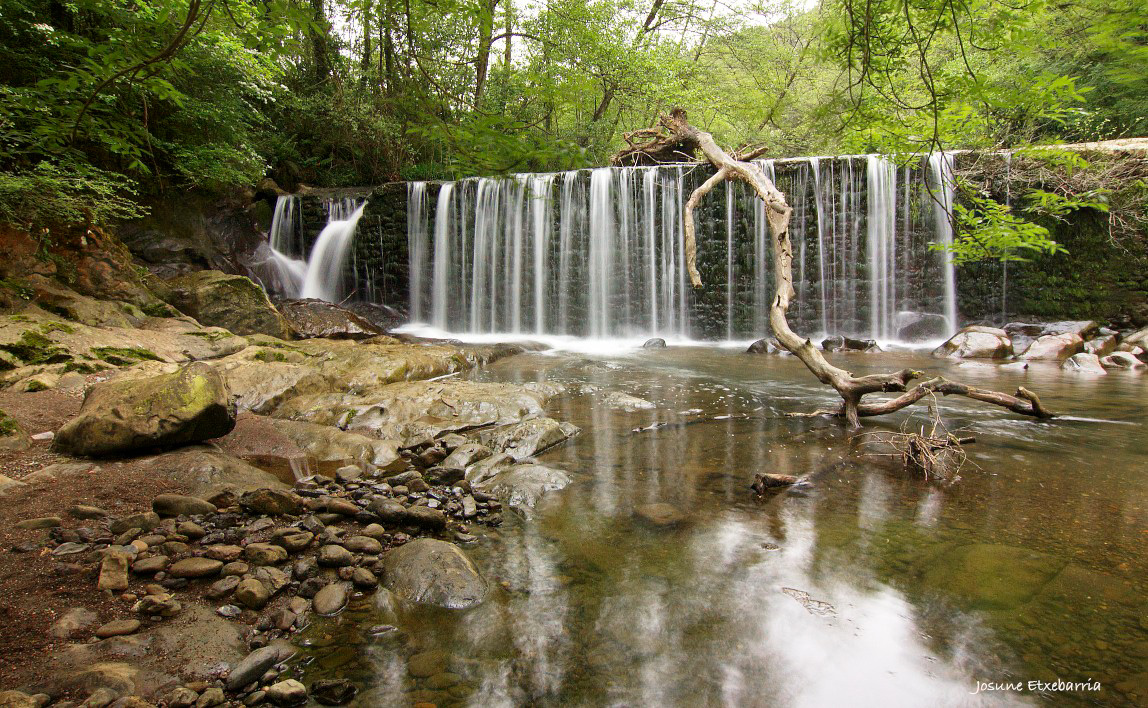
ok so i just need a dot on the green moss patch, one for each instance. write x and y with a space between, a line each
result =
8 425
267 355
34 348
124 356
49 327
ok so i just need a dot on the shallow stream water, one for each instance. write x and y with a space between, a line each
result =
869 586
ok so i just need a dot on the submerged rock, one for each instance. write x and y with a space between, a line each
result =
522 486
654 343
976 342
310 319
187 406
233 302
1121 360
431 572
840 343
768 345
625 402
661 515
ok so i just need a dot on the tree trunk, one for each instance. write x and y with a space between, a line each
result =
485 36
320 60
673 135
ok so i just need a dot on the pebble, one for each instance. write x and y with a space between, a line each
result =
287 693
43 522
222 588
113 571
211 697
363 544
332 556
252 594
150 565
224 552
235 568
81 511
229 611
264 554
331 599
195 568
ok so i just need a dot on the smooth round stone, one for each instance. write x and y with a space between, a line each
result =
375 531
236 568
364 578
224 552
287 693
191 530
363 544
332 556
195 568
118 628
265 554
295 542
150 565
43 522
252 594
223 587
331 599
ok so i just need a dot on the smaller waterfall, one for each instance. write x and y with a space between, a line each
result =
285 274
325 264
417 244
941 172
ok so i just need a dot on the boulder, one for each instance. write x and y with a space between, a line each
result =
920 326
1138 338
1084 363
232 302
12 435
309 319
465 455
187 406
1102 345
768 345
431 572
522 486
1121 360
1023 334
1054 347
528 438
840 343
976 342
654 343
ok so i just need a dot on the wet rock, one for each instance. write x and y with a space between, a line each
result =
363 578
765 346
114 571
654 343
252 594
310 319
211 697
625 402
252 667
527 438
144 522
766 481
195 568
181 697
431 572
976 342
839 343
331 599
333 556
232 302
186 406
425 518
264 554
661 515
287 693
1121 360
427 663
74 621
295 542
118 628
1103 345
333 692
1023 334
522 486
224 552
466 455
363 544
1054 347
180 505
1084 364
273 502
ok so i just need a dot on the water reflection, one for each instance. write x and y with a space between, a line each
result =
869 588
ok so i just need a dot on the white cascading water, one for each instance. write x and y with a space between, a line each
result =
325 264
943 178
285 273
599 253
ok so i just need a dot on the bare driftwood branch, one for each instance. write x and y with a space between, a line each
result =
674 136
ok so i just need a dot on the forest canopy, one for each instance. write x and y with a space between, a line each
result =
101 99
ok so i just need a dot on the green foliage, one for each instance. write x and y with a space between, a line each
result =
985 229
67 192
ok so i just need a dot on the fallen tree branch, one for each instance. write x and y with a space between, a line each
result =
672 135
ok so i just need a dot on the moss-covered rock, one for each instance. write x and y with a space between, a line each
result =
12 436
233 302
187 406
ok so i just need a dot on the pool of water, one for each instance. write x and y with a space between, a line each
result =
870 586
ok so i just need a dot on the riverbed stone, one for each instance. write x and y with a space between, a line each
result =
310 319
195 568
295 542
527 438
273 502
333 692
991 576
252 594
264 554
768 345
223 587
42 522
660 515
976 342
624 402
253 666
654 343
181 505
1121 360
1084 363
187 406
363 544
150 565
118 628
466 455
287 693
331 598
114 571
144 522
224 552
332 556
432 572
426 518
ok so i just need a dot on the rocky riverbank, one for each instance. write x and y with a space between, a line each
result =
179 497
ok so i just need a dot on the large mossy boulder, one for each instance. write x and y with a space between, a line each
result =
233 302
187 406
431 572
311 319
976 342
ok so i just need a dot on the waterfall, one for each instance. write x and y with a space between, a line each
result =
284 274
325 264
600 253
